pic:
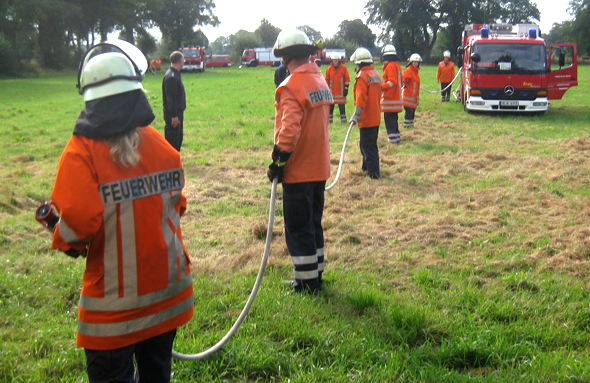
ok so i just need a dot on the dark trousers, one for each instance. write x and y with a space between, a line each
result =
303 207
370 151
174 135
446 94
342 108
392 127
153 358
409 117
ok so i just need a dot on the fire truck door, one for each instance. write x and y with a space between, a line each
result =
560 80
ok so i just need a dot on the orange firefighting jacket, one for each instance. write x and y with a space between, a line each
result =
391 100
301 124
445 72
367 95
338 79
411 93
137 283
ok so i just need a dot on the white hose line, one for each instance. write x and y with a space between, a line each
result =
442 90
271 216
232 331
341 159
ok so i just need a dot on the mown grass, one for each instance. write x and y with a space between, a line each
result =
467 262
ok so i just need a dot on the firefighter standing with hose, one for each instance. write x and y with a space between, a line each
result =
301 156
411 92
367 113
118 190
338 80
445 75
391 99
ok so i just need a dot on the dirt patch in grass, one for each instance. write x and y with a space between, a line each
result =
441 199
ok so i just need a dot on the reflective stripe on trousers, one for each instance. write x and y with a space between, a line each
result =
303 206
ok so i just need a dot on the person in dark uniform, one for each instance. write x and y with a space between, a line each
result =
174 100
281 73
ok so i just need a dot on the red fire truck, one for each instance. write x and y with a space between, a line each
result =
508 68
252 57
323 56
194 58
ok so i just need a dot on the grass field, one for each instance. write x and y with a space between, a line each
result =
468 261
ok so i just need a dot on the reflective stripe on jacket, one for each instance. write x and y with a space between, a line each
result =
367 95
338 79
391 99
301 124
137 283
411 93
445 72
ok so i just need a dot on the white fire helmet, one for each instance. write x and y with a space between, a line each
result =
362 55
335 56
293 43
388 49
447 54
110 68
415 57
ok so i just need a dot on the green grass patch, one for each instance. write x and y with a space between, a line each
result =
468 261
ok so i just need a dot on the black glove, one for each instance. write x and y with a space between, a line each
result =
279 159
275 171
75 253
345 90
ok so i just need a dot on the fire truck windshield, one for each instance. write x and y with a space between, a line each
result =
190 53
503 58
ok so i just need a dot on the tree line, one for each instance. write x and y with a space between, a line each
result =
55 33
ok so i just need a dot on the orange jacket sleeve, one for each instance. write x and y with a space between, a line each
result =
287 136
76 180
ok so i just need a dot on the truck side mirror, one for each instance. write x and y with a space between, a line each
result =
475 58
460 52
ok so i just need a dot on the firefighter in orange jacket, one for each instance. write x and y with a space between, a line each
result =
301 156
411 92
367 112
338 80
391 85
118 190
445 75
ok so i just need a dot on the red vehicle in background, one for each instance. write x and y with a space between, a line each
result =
194 58
323 56
507 67
218 61
253 57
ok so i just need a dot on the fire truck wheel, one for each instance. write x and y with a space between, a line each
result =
254 64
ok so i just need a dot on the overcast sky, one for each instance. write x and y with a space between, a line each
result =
324 16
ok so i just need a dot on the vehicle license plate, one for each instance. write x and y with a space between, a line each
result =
509 103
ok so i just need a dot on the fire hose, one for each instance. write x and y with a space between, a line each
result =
246 309
232 331
341 159
442 90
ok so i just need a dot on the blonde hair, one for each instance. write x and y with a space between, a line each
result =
124 149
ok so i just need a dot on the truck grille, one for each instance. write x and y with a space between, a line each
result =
499 94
